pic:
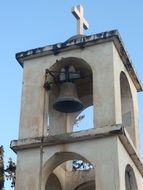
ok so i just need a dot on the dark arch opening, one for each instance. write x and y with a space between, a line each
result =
130 180
59 122
127 106
83 83
53 183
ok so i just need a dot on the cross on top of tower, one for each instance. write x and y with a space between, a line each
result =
77 11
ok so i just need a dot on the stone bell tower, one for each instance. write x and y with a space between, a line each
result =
59 82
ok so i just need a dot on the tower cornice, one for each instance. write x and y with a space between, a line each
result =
81 41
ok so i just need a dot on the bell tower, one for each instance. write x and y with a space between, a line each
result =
59 82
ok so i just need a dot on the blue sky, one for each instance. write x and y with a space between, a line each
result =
34 23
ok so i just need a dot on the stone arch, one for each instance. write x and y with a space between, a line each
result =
130 180
127 108
89 185
84 87
54 161
53 183
58 158
85 71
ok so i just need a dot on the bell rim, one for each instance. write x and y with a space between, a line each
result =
64 105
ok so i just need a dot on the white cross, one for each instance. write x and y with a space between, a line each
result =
81 22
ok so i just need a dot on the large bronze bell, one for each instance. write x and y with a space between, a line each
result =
68 101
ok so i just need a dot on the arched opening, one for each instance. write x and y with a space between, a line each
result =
53 183
56 172
84 120
127 106
71 71
130 180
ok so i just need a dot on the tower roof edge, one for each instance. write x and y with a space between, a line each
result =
82 41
